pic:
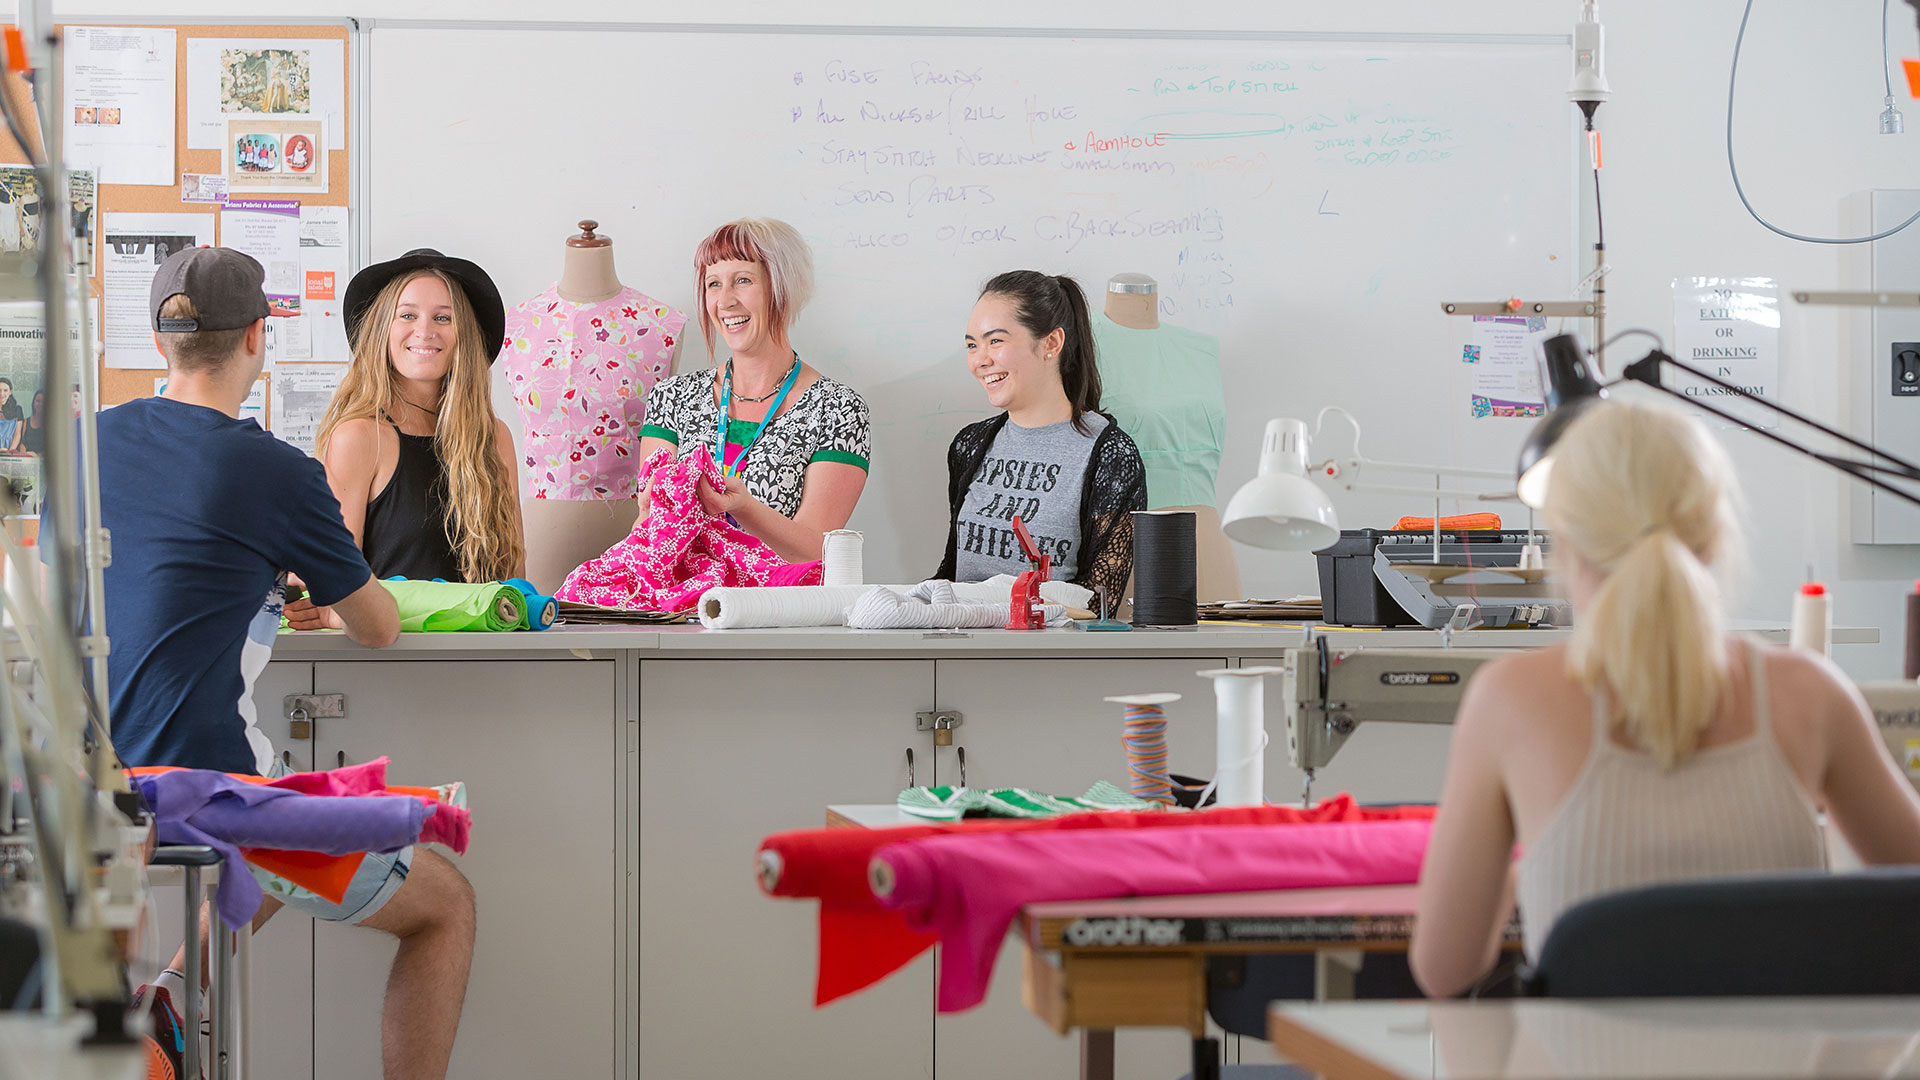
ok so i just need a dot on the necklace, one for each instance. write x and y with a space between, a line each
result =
435 411
784 381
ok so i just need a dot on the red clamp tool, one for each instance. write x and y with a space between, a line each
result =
1025 613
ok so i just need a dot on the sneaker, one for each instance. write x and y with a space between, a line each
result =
166 1046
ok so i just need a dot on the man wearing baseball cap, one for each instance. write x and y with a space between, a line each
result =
209 516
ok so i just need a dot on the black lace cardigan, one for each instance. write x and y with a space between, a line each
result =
1115 486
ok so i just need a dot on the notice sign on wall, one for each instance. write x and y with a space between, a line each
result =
1728 328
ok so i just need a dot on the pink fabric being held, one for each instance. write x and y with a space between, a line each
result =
679 551
967 887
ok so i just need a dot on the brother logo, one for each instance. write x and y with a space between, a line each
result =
1131 930
1420 678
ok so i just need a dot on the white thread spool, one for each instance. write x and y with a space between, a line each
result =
1812 628
841 554
1240 734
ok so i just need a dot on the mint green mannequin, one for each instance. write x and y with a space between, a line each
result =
1162 383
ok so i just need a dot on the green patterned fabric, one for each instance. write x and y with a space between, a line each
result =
953 803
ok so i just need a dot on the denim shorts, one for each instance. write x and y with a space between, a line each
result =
379 877
373 884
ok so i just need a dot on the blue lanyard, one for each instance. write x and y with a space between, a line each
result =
726 403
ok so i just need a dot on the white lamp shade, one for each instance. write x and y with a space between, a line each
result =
1281 508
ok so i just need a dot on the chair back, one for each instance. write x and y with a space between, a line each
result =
1798 934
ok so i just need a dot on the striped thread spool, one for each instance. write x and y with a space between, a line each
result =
1145 740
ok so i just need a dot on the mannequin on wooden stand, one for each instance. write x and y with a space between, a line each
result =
569 521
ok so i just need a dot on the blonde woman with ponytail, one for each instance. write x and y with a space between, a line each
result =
423 469
1654 745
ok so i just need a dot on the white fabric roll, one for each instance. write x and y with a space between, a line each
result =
841 559
798 605
932 605
999 590
1239 740
731 608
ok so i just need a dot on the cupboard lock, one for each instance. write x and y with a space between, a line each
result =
940 722
301 710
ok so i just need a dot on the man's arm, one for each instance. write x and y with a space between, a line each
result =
369 616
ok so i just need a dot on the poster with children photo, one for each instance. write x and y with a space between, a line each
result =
255 152
276 155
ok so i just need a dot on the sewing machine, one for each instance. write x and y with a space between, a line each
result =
1326 693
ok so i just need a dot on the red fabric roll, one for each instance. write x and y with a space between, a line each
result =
967 888
862 942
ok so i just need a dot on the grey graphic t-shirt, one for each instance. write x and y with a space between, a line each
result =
1037 474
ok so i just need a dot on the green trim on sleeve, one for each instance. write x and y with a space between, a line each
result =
655 431
842 457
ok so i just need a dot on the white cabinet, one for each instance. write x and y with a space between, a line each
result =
537 743
730 751
282 1020
1041 724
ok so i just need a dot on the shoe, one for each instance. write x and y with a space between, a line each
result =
167 1046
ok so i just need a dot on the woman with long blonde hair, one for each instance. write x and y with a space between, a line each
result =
423 469
1654 745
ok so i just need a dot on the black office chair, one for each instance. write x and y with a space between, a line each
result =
1798 934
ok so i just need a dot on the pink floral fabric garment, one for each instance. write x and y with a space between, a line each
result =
679 551
580 374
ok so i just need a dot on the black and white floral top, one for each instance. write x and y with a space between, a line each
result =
828 422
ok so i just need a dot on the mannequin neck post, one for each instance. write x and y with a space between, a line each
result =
587 277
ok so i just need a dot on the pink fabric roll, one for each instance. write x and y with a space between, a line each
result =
967 888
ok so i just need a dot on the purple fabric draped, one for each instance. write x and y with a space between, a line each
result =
199 806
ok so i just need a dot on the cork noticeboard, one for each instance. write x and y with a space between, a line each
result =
116 384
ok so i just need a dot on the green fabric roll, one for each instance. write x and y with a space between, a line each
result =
437 606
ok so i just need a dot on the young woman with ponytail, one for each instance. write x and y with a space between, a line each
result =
1051 456
1654 745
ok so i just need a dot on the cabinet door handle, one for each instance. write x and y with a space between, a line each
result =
286 758
910 782
342 759
960 754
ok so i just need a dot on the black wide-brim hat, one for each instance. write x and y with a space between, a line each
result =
482 295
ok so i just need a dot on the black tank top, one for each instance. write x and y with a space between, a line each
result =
406 529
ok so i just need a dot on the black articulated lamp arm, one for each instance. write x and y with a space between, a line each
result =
1647 370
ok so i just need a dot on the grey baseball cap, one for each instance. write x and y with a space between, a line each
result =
224 285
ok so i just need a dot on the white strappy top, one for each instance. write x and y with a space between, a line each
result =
1729 809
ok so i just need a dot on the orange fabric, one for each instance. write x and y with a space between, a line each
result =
323 875
1912 68
1457 521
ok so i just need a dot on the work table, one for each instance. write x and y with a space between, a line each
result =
694 640
621 778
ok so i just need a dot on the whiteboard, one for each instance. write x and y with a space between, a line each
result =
1310 202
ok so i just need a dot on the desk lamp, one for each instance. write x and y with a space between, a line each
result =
1572 389
1281 509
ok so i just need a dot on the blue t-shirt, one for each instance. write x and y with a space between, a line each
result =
206 513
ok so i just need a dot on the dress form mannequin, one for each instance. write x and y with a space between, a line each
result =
568 522
1133 307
